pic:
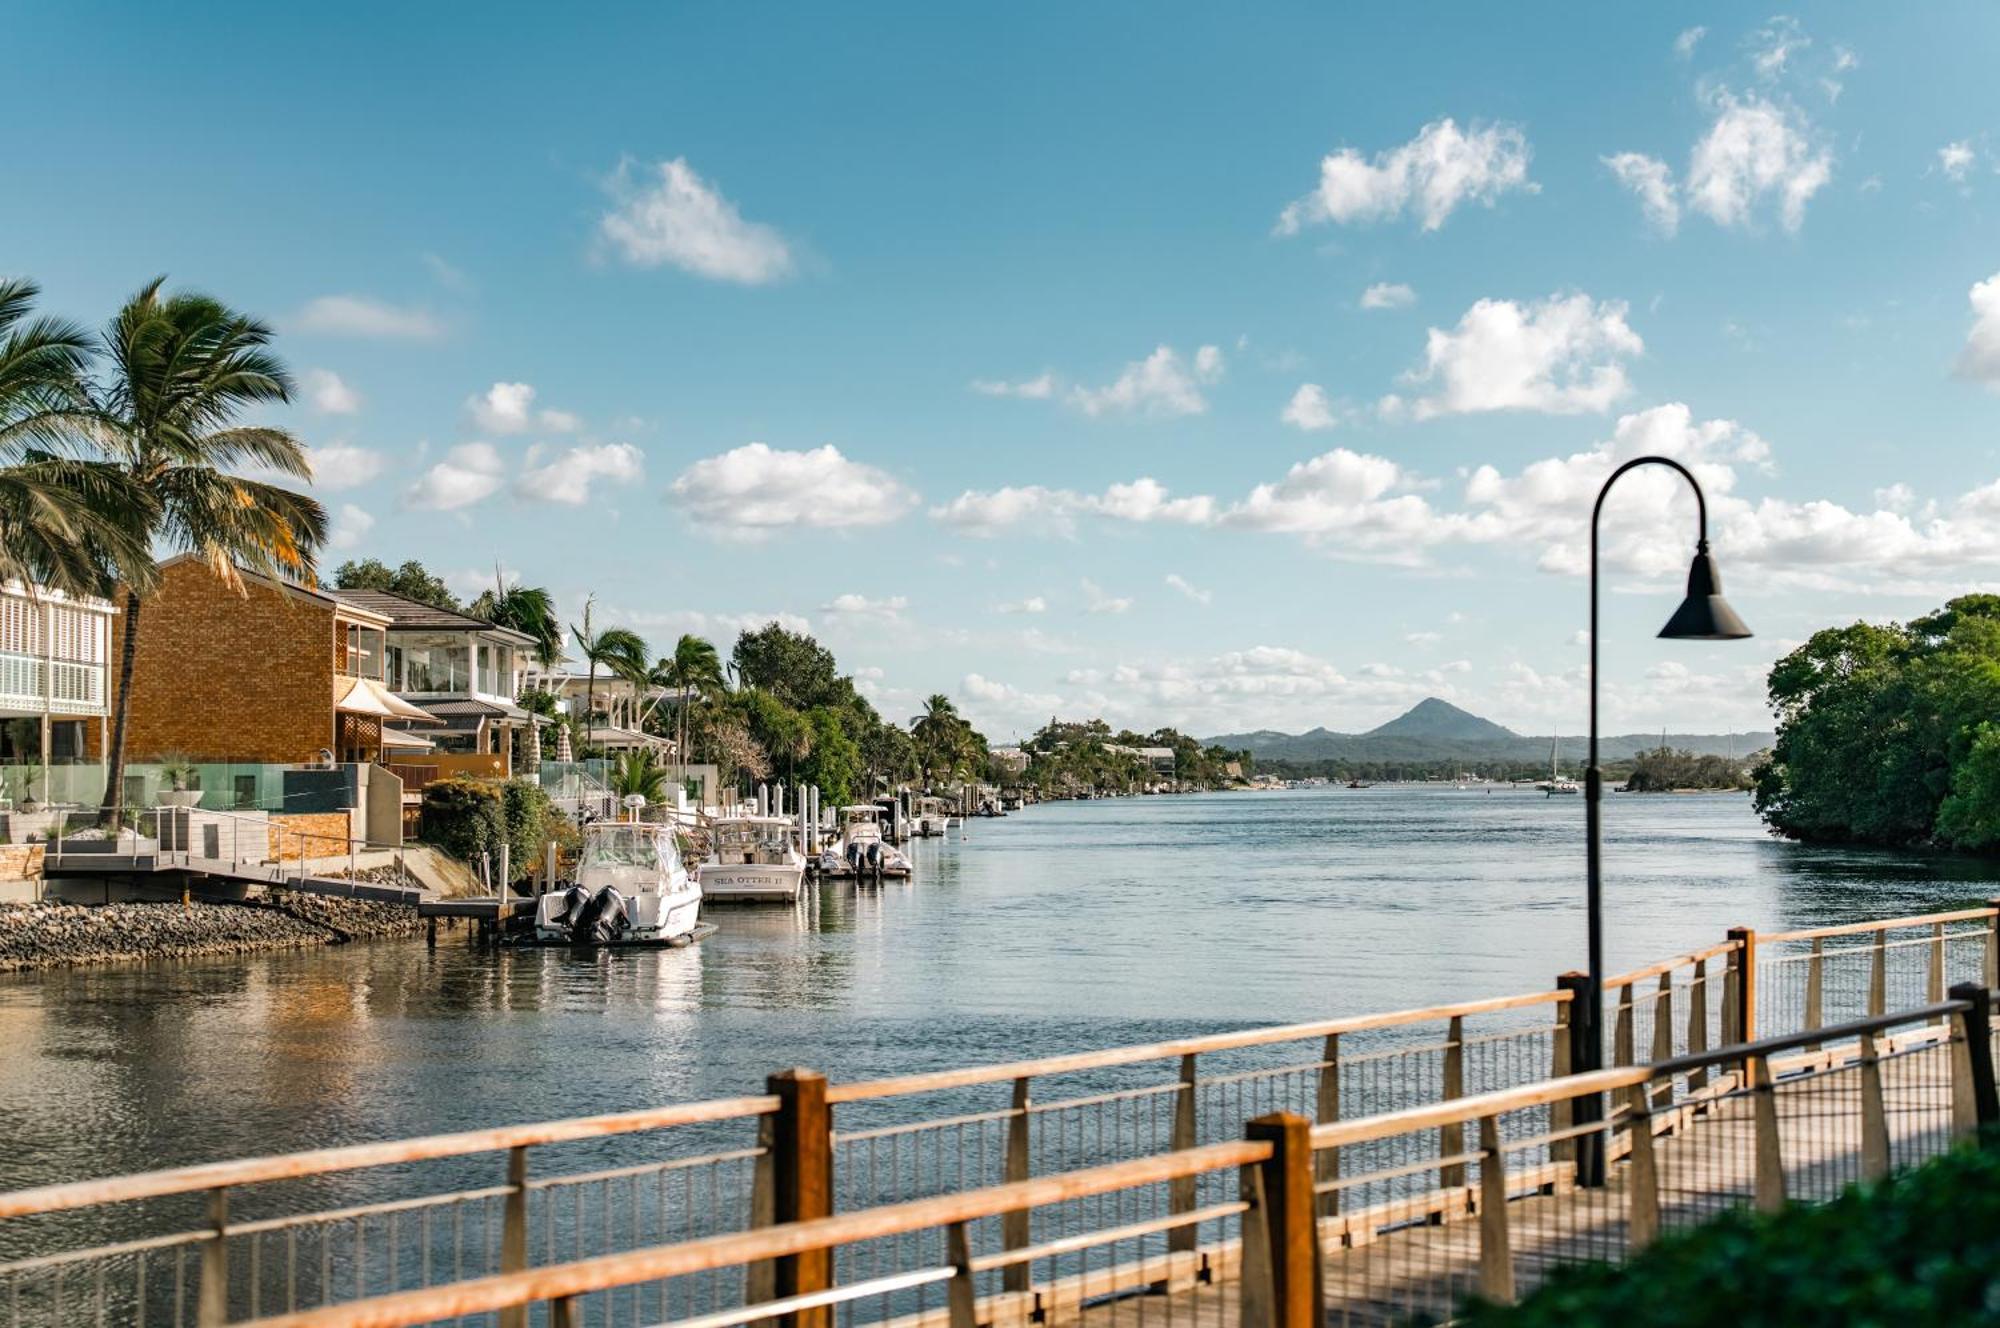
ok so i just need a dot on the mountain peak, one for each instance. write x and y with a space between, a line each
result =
1434 718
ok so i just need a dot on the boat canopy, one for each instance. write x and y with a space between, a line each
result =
627 844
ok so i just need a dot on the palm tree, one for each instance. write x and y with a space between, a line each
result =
615 648
637 772
527 609
694 665
183 368
936 730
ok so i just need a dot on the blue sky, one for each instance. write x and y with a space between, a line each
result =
1029 353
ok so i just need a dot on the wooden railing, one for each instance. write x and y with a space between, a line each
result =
260 1235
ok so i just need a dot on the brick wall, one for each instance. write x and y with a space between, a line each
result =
223 676
308 834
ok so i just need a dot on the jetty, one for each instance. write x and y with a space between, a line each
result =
1366 1169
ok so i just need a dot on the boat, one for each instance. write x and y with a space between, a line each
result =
933 818
631 888
1555 785
754 859
860 851
1357 784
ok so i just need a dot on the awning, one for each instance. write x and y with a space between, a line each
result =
402 740
362 696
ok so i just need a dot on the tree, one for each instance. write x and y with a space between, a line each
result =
615 648
412 581
64 522
636 772
783 733
834 761
937 733
183 368
695 665
790 665
530 610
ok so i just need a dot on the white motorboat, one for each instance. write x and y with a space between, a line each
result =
631 888
860 851
755 859
933 818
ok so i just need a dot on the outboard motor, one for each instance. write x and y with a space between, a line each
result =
602 919
570 905
875 859
856 855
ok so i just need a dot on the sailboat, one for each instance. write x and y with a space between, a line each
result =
1556 784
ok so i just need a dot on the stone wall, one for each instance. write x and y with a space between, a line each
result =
309 835
20 862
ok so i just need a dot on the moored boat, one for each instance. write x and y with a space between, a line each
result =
860 852
755 859
631 888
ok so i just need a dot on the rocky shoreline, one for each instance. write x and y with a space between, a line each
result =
52 935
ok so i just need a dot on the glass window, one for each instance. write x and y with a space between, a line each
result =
623 846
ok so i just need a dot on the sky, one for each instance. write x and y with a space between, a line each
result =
1223 367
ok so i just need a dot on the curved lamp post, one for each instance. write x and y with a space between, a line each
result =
1702 616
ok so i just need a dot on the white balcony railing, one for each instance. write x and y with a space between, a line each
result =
78 689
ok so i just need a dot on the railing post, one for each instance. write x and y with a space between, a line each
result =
1992 965
802 1185
1745 1028
1978 1102
1451 1136
514 1230
1934 988
1326 1161
1496 1254
1014 1224
1878 976
563 1314
1816 990
961 1296
1663 1035
212 1306
1770 1175
1284 1199
1587 1109
1697 1038
1559 1068
1874 1120
1621 1037
1643 1180
1181 1190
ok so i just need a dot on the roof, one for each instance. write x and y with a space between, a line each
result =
402 612
464 712
337 602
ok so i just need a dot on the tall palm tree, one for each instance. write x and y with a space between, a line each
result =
936 730
527 609
183 368
617 649
694 665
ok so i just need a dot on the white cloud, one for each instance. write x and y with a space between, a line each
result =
1774 45
671 216
1755 150
1388 295
569 477
755 490
1161 384
1653 181
1006 702
987 513
1309 409
360 316
343 466
717 626
329 394
1097 600
507 408
1979 361
469 473
1689 39
1560 355
852 605
1956 159
350 526
1898 497
1039 388
1423 638
1032 604
1175 581
1431 175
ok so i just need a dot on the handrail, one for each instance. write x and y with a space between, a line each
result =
321 1161
1504 1100
1669 965
507 1290
939 1080
1856 928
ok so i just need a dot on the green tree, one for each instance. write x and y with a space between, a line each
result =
183 369
637 772
530 610
695 666
615 648
412 581
789 665
782 732
937 733
833 764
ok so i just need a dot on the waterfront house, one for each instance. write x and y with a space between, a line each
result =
54 650
623 707
464 671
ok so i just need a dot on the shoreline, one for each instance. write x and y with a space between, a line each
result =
47 935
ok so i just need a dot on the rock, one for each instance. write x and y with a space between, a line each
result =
50 935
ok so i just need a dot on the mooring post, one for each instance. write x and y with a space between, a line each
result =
1291 1298
1587 1108
802 1186
1979 1104
514 1230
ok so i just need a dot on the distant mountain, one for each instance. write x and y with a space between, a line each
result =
1437 731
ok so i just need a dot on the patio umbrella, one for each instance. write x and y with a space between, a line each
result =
563 753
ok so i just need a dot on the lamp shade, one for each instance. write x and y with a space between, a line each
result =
1704 615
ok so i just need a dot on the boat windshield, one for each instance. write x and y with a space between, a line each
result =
752 835
623 846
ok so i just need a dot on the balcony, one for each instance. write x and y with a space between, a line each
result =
70 688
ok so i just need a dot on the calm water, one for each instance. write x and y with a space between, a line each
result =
1067 926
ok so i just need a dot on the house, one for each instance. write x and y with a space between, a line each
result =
54 691
464 671
622 706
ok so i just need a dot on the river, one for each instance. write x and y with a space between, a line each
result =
1067 926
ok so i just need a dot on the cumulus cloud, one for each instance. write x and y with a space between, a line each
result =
470 473
329 393
987 513
1004 701
1979 361
853 605
507 408
1756 152
1309 409
1164 383
343 466
568 477
667 215
756 490
1097 600
1032 604
1039 388
350 526
1430 176
1388 295
1561 355
1175 581
361 316
1956 160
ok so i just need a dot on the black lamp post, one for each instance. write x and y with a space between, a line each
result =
1703 616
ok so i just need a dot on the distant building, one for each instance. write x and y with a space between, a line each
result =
1010 759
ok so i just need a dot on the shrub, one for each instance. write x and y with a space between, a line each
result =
1922 1247
464 817
532 821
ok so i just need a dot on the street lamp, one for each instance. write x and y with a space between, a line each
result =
1702 616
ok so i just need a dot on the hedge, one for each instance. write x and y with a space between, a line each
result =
1922 1247
468 817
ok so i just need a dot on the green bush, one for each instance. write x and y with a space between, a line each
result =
1922 1247
532 821
465 817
